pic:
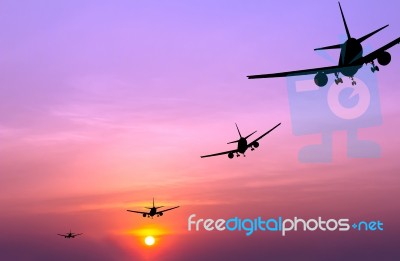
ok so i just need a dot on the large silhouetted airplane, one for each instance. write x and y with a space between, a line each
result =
350 61
242 144
70 235
153 211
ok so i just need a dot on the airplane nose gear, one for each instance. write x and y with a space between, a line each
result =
374 67
353 82
338 79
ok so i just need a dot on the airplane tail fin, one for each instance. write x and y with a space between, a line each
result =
238 130
151 207
155 206
344 21
239 135
365 37
338 46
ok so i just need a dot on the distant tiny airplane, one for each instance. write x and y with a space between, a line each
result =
70 235
242 144
350 61
153 211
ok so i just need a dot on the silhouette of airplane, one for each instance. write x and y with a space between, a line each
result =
153 211
242 144
350 60
70 235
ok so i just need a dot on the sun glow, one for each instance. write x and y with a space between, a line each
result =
149 240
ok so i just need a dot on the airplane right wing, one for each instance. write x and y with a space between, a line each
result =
372 56
161 211
262 136
217 154
62 235
326 70
78 234
139 212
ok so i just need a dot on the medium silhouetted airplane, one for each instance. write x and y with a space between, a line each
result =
153 211
70 235
242 144
350 61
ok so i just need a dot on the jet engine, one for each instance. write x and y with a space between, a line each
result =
384 58
144 215
230 155
256 144
161 214
321 79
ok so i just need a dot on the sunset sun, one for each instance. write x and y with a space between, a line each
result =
149 240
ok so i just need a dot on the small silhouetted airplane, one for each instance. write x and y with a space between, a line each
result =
70 235
153 211
242 144
350 61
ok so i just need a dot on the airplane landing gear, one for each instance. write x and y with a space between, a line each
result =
338 79
374 68
353 82
237 155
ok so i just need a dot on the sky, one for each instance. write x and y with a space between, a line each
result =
107 104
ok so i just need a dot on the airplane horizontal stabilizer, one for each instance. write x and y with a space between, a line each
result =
337 46
365 37
233 142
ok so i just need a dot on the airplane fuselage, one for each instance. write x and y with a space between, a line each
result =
242 145
153 211
351 51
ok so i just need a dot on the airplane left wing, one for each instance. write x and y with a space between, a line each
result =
167 209
372 56
217 154
259 138
78 234
62 235
139 212
327 70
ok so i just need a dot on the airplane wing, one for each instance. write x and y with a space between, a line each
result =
167 209
77 234
259 138
372 56
62 235
217 154
326 70
139 212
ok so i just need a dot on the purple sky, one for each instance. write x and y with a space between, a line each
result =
104 105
